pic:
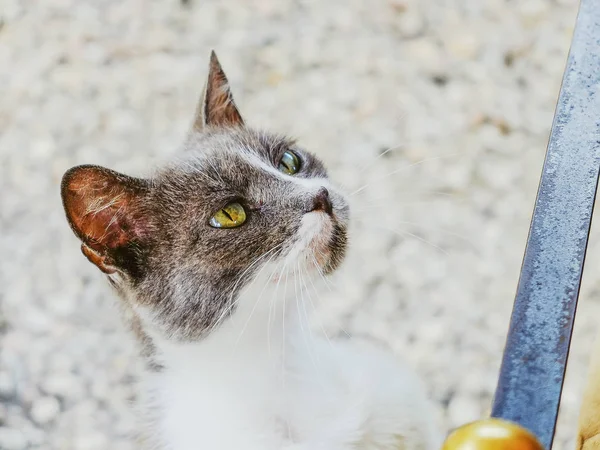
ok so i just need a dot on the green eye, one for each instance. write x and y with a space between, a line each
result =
289 163
231 216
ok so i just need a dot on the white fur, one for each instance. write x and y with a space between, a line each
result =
264 381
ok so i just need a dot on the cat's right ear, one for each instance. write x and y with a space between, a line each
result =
104 209
216 107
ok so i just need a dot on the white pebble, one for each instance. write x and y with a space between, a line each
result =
63 385
90 440
532 11
410 24
100 388
464 44
44 410
426 54
7 385
11 439
463 409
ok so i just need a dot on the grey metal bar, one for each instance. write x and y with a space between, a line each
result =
537 347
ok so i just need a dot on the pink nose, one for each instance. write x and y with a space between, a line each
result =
321 202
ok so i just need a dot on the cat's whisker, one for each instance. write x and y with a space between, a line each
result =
320 379
256 261
401 169
385 206
303 285
430 227
415 236
257 301
273 302
271 307
284 341
373 160
232 303
400 200
304 334
296 283
328 283
308 295
379 156
318 294
430 198
444 231
235 302
269 318
313 305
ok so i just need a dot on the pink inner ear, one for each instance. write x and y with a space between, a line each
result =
101 207
105 224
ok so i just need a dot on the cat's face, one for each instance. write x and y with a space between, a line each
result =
183 243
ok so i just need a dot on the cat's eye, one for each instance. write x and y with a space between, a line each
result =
230 216
289 163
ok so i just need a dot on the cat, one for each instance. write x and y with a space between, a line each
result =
215 258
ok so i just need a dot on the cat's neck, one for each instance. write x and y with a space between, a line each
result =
269 321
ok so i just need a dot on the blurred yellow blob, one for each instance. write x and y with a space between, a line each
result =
491 434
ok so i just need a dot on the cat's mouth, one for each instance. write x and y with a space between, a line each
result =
322 241
322 229
319 247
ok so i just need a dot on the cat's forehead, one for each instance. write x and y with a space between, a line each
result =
243 157
234 162
226 144
231 157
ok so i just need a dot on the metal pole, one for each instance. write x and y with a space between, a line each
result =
537 346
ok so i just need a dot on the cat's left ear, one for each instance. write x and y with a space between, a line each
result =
216 107
104 209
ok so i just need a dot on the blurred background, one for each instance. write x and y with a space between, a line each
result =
440 109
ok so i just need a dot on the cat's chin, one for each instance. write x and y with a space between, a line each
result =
318 229
321 244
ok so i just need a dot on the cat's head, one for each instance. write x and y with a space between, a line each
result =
182 243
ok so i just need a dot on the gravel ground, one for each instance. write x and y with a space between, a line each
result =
463 91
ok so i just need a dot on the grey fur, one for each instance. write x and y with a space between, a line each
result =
157 245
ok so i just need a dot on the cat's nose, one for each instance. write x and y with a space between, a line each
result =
322 202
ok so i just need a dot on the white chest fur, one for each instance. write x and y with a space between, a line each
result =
262 381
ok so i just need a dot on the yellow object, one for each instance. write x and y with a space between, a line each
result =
491 434
588 435
231 216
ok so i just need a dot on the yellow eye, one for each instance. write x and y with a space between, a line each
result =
231 216
289 163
